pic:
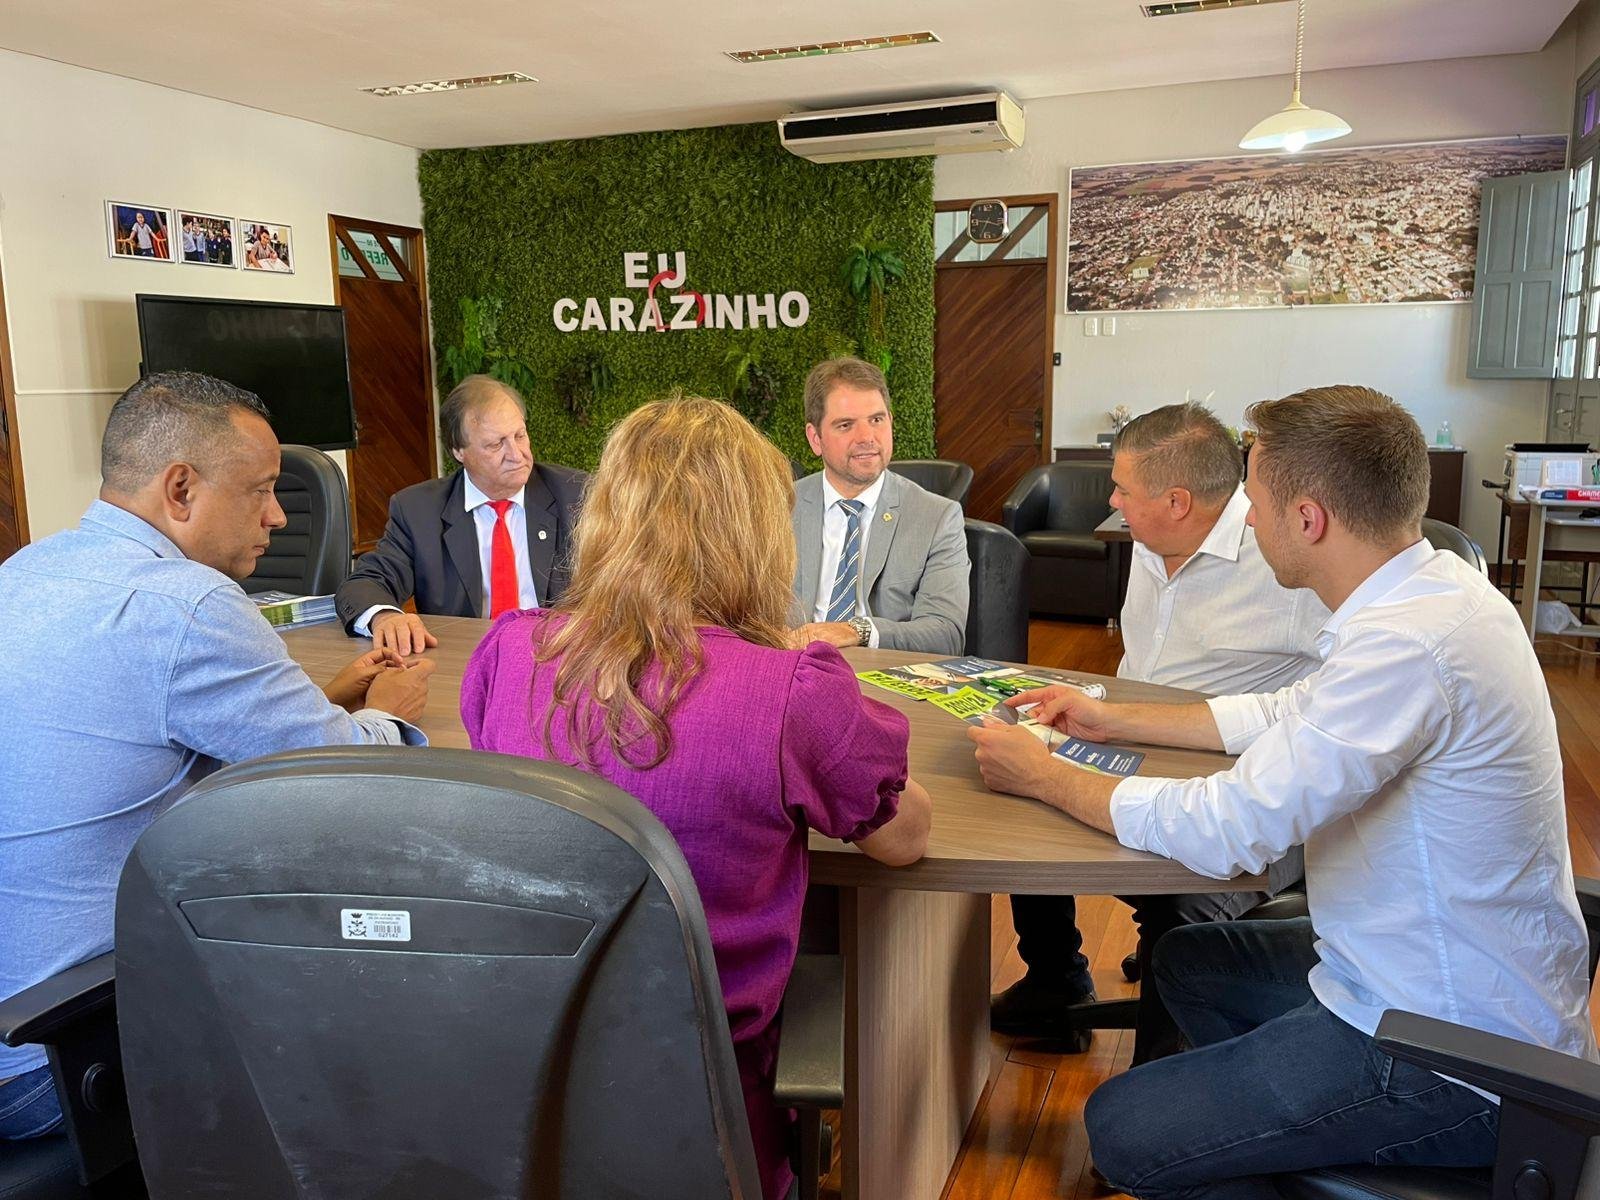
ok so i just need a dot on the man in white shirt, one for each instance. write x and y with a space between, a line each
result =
880 561
491 538
1420 768
1203 612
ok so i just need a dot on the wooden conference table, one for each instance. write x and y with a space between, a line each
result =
915 939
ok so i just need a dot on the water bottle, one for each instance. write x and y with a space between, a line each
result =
1443 437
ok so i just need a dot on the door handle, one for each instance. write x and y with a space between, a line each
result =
1038 426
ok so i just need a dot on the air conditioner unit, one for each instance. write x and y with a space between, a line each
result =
953 125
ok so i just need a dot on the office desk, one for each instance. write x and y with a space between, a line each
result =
915 939
1554 525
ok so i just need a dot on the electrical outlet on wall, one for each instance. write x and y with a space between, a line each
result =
1091 327
1108 326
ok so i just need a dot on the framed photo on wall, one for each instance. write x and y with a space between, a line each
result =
264 246
139 231
1355 225
206 240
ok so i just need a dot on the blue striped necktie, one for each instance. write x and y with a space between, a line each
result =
842 601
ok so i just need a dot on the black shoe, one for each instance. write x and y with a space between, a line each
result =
1130 967
1035 1010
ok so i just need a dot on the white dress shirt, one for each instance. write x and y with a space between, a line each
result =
835 524
1420 767
484 518
1221 623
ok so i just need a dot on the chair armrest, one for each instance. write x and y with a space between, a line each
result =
810 1071
1588 899
39 1013
1024 509
1515 1071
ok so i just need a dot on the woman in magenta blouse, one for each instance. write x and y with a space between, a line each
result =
666 669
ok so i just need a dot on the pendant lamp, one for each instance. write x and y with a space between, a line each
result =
1297 126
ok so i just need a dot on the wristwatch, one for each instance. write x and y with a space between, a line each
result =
863 628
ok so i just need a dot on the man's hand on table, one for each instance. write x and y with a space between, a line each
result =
1012 760
1068 710
348 689
402 691
402 632
835 633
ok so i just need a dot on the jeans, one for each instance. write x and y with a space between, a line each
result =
28 1106
1275 1083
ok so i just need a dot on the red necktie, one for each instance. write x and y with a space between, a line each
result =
502 564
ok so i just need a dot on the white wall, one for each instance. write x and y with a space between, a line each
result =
74 139
1417 353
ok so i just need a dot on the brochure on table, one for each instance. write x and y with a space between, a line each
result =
974 688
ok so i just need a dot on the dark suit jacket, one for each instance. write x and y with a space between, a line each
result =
429 548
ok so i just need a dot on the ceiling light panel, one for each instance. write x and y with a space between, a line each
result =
1182 8
847 46
450 85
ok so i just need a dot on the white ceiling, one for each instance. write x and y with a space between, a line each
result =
625 65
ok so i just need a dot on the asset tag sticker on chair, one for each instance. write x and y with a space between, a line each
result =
374 925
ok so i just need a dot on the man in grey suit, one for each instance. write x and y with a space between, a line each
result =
882 562
494 536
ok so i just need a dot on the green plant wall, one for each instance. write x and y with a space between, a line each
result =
533 224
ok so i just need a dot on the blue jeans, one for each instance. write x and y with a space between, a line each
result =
1275 1083
28 1106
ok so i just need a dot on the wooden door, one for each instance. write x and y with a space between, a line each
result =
13 505
378 280
994 335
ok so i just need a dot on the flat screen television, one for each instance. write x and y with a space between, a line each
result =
291 355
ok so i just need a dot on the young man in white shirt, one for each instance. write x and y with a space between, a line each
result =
1203 612
1421 769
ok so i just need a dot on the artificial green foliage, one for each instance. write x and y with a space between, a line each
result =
533 224
581 382
751 387
479 351
870 269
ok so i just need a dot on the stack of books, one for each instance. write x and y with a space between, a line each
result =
284 611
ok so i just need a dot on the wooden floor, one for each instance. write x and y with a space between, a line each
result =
1027 1141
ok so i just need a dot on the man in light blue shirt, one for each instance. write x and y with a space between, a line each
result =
135 666
1420 767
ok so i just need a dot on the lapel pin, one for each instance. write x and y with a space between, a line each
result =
888 517
543 535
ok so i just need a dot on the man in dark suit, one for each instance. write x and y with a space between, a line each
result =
494 536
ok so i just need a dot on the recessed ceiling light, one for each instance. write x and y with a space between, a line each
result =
450 85
847 46
1180 8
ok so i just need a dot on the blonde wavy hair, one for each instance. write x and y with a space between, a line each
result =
685 523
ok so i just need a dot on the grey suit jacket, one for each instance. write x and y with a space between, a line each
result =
916 575
430 547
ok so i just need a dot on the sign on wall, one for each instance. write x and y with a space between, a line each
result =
661 300
1370 225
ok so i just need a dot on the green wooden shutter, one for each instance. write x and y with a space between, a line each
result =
1516 301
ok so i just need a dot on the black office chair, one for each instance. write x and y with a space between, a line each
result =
1054 510
310 556
997 611
435 973
941 476
1549 1109
1443 536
